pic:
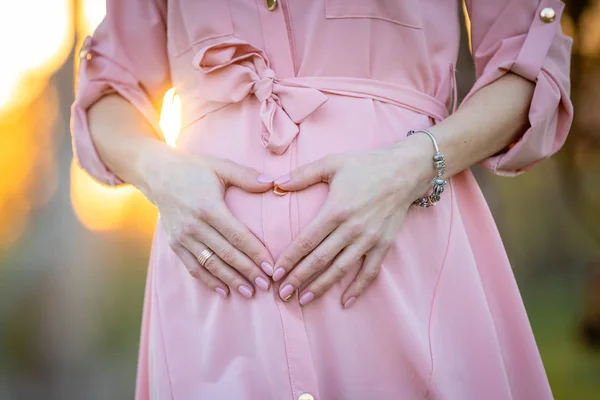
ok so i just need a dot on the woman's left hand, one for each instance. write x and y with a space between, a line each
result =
369 194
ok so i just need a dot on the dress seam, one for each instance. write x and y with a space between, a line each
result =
487 303
435 290
160 329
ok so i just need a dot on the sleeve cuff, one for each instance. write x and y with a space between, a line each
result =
549 118
542 55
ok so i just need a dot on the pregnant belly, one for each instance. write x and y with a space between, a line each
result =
341 125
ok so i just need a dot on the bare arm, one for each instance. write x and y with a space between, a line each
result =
491 120
125 140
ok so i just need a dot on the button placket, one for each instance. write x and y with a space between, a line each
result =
279 224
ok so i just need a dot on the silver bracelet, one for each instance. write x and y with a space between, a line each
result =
438 182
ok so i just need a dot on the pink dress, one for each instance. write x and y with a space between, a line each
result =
277 84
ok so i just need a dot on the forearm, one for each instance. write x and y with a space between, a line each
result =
124 140
492 119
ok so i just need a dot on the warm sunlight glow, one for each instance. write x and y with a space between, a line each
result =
92 12
97 207
170 117
37 36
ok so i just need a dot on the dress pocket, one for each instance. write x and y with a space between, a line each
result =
193 22
402 12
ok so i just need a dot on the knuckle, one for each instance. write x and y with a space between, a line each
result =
211 265
306 244
372 237
341 214
288 261
227 255
387 242
178 236
189 228
238 239
319 259
371 274
254 256
340 271
195 273
353 230
201 213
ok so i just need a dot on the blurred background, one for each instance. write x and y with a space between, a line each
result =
73 254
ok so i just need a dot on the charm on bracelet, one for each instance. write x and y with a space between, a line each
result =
439 182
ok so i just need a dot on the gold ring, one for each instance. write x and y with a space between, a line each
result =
205 255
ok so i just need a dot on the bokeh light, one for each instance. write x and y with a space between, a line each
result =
33 50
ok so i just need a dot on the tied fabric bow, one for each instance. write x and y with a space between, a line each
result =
234 69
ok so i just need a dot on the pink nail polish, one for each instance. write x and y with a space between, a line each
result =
221 291
278 274
268 268
306 298
282 179
349 302
264 179
245 291
286 292
262 283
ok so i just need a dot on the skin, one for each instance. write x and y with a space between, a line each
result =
351 227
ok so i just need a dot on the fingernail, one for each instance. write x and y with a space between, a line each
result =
262 283
282 179
278 274
286 292
264 179
349 302
306 298
221 291
245 291
268 268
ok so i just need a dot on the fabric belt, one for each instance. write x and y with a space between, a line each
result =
233 69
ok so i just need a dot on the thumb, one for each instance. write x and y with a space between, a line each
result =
245 178
302 177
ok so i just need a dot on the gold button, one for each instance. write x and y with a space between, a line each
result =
271 4
84 52
547 14
306 396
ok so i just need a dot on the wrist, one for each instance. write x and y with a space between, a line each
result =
422 151
149 164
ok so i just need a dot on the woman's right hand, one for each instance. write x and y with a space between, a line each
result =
189 194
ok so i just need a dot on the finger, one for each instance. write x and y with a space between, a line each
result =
304 176
199 272
323 224
224 272
230 255
366 276
318 260
245 178
242 239
346 260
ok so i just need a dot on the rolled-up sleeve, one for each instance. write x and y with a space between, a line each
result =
524 37
125 55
